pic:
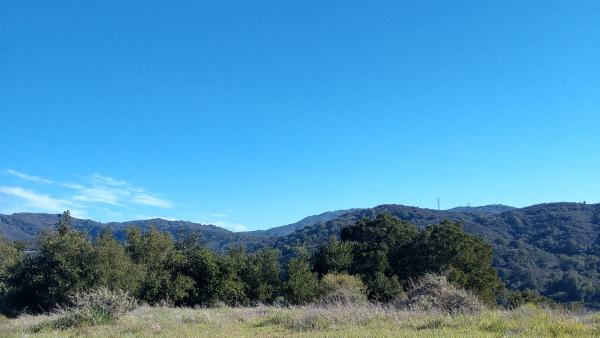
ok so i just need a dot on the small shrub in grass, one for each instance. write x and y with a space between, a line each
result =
434 293
342 288
95 307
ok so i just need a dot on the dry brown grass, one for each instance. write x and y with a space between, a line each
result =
347 320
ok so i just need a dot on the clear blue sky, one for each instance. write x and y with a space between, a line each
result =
252 114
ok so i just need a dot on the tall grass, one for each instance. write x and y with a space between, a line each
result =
432 307
348 320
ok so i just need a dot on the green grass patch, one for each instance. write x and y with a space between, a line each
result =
359 320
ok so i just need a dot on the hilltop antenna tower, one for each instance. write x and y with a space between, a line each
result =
438 202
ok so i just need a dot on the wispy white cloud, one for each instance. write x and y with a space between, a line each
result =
107 180
108 190
38 200
33 201
98 194
87 195
28 177
95 194
145 199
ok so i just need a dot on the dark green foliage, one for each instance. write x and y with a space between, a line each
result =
447 248
10 257
261 276
384 230
334 256
161 264
374 241
202 266
388 252
532 247
569 288
26 226
149 265
596 218
231 287
383 288
595 247
302 285
114 269
63 266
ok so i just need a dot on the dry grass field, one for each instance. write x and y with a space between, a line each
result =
367 320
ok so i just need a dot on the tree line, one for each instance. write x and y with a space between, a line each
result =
384 254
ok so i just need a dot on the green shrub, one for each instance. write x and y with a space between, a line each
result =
302 286
342 288
63 265
333 256
382 288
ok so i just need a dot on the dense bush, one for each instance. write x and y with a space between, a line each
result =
63 266
446 247
10 256
342 288
433 292
95 307
114 268
302 285
334 256
382 288
388 253
260 274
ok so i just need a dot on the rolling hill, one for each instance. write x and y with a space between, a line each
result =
26 226
549 248
285 230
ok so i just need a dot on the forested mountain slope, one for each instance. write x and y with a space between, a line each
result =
285 230
25 226
550 248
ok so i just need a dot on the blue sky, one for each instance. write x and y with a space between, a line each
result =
253 114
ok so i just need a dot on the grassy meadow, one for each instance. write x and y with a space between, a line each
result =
367 320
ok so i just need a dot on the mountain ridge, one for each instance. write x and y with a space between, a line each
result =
25 226
33 223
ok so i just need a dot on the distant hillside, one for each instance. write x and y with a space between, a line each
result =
550 248
25 226
285 230
486 209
